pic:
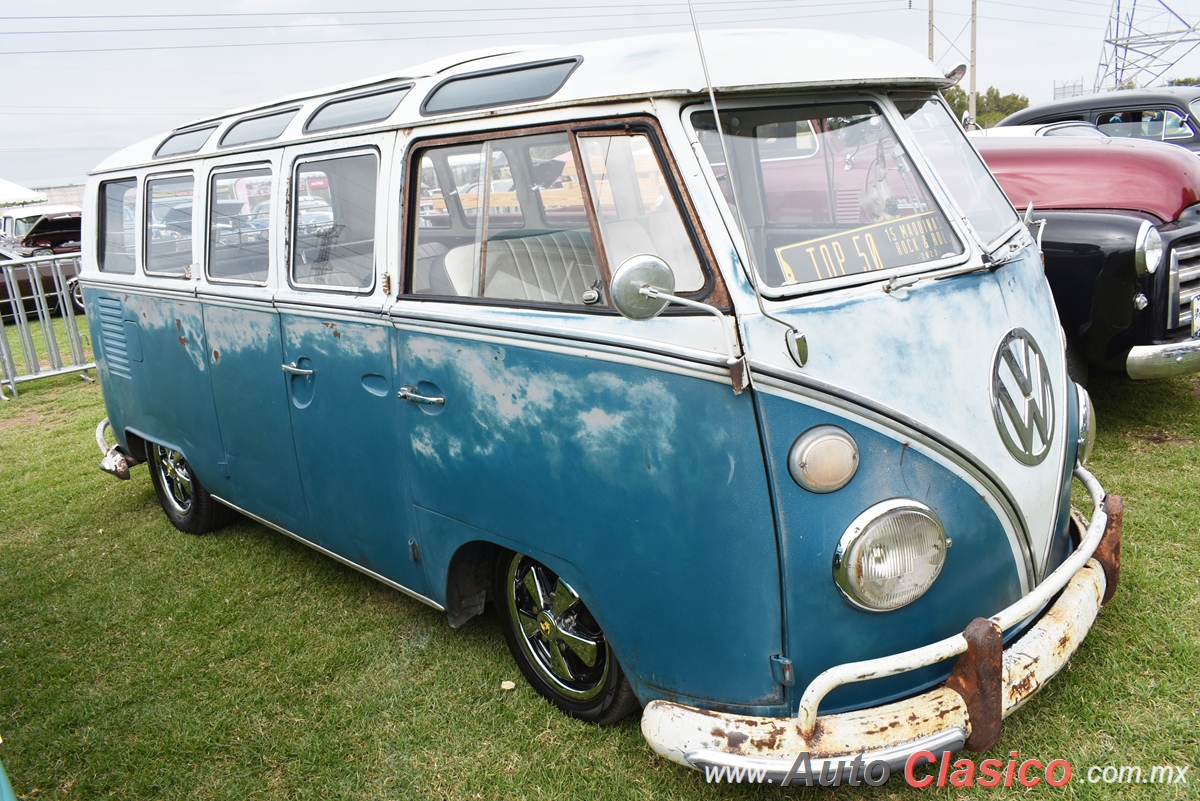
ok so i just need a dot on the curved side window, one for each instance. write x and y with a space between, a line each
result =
501 87
333 222
168 231
355 110
239 209
181 144
117 225
258 129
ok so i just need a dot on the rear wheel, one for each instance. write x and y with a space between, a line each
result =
556 642
189 506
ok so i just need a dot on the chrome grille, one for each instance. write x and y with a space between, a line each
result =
1185 285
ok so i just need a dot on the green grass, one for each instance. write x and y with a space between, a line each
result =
138 663
41 353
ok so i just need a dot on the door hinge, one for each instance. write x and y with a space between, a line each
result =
414 550
781 670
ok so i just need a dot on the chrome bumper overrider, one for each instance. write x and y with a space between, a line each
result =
1164 361
984 687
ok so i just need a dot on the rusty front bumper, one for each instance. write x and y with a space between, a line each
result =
988 681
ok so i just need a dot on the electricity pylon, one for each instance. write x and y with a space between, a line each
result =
1145 38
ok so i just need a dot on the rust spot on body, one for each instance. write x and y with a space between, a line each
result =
183 341
178 324
736 739
216 355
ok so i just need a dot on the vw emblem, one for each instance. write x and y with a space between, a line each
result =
1022 397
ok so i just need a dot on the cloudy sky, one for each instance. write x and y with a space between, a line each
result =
83 78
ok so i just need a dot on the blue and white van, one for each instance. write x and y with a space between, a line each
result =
753 416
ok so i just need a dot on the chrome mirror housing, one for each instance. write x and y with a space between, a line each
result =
634 274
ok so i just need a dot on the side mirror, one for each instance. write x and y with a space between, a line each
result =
635 273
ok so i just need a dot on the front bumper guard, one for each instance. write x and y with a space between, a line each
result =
987 684
1164 361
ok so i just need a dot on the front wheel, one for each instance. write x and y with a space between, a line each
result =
557 643
188 505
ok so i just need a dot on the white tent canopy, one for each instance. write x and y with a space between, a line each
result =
15 195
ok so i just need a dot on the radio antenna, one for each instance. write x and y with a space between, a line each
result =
797 344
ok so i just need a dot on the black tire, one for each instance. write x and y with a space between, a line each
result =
553 637
188 506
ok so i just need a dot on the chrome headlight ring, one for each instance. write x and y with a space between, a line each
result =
890 555
1087 425
1148 255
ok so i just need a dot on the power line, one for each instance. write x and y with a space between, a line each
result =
62 51
376 23
681 7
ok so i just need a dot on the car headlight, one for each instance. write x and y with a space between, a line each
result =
1087 424
891 555
1149 253
823 459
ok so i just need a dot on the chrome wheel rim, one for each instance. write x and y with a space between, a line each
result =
175 478
557 633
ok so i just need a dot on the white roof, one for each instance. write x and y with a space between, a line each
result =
14 194
42 210
635 67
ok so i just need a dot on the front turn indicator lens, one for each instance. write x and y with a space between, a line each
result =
823 459
891 555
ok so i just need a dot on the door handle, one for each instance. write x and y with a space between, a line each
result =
292 369
409 393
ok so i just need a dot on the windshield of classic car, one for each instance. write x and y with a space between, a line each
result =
826 191
958 165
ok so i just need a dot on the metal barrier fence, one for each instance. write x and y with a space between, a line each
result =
35 291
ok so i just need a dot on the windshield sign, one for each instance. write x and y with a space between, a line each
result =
826 191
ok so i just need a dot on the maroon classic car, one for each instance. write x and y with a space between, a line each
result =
1121 245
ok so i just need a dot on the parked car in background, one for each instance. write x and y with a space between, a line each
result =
1121 245
1166 114
1083 129
33 231
40 230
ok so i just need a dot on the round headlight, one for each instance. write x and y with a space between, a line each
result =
1149 253
823 459
891 555
1087 424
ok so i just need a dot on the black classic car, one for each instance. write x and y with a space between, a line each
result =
1121 245
1165 114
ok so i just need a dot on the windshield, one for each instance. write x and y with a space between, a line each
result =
958 165
25 224
826 191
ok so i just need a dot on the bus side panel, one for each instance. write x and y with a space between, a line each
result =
646 488
163 364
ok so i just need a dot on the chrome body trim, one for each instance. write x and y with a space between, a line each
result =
1164 361
332 555
1031 413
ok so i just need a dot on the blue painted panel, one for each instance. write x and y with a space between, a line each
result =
347 442
105 316
250 391
646 490
979 578
169 399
